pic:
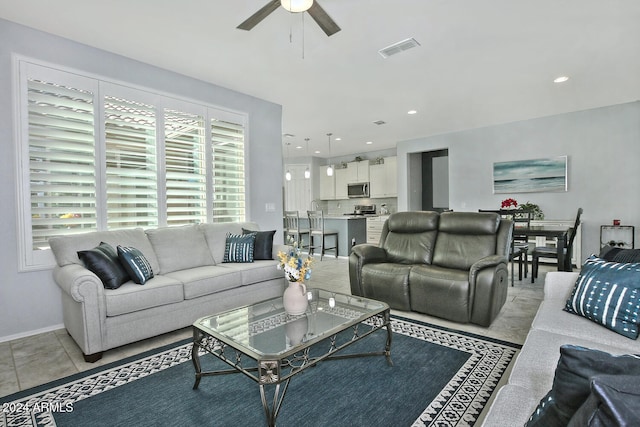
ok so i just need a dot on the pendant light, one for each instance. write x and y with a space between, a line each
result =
330 167
296 6
287 175
307 172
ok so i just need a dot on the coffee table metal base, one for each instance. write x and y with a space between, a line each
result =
277 372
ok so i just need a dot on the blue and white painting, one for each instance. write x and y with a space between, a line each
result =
529 176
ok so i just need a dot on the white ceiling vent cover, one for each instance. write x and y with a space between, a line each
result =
399 47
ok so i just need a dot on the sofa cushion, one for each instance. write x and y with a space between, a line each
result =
216 236
239 247
608 293
206 280
387 282
571 383
257 271
65 248
513 403
136 264
179 248
441 292
103 262
464 238
408 237
263 246
613 401
128 298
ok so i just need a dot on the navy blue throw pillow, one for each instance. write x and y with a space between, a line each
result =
103 262
571 383
263 246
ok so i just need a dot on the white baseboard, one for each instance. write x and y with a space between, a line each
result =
31 333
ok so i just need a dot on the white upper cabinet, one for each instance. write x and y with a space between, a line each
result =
358 172
383 179
341 183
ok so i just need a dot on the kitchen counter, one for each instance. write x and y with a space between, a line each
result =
352 230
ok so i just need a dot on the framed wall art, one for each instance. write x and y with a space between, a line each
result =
530 176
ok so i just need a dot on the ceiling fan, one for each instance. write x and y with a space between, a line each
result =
318 14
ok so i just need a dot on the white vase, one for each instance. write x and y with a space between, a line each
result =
295 298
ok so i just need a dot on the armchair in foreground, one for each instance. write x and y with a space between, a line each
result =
451 265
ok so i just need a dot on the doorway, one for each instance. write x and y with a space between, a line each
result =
435 180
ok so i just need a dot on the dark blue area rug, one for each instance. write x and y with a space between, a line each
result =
439 377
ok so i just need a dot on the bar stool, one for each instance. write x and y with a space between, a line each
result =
317 229
292 227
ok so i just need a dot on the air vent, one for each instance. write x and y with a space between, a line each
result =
398 47
379 122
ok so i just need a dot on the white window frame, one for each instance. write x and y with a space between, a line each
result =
24 67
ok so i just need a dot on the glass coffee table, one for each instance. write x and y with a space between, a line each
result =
270 346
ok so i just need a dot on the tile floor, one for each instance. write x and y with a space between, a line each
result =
35 360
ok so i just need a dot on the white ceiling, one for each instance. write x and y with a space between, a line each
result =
481 62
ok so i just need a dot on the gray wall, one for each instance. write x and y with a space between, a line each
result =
603 149
30 301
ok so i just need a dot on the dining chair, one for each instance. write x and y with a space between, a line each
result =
551 252
292 228
317 230
519 243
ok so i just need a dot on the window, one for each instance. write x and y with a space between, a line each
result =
98 156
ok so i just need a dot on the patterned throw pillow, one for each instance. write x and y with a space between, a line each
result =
136 264
239 247
608 293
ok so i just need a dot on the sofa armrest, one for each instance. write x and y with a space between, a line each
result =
486 262
360 255
368 253
84 309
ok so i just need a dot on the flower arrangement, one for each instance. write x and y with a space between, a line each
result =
509 203
296 267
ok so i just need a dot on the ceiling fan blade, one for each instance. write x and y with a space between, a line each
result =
257 17
325 22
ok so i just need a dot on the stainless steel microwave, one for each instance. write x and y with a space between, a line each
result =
358 190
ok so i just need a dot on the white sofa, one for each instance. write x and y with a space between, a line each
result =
190 281
533 372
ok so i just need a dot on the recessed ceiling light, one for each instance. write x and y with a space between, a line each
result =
317 152
299 147
338 139
369 142
561 79
411 112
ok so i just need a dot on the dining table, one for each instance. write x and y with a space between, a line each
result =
559 232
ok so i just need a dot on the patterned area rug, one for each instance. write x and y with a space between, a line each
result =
440 377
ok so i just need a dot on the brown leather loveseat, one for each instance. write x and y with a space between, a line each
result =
451 265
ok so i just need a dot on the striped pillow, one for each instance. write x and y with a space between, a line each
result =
608 293
136 264
239 247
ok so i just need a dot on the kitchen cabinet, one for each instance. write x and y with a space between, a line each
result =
383 179
358 172
327 184
341 184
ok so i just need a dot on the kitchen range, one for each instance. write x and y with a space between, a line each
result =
363 210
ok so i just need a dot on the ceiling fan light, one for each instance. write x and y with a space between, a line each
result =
296 5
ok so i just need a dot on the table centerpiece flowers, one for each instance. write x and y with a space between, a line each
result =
509 204
297 269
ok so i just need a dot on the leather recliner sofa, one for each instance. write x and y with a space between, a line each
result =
451 265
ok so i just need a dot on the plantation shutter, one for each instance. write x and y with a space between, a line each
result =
185 168
62 177
228 171
131 163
